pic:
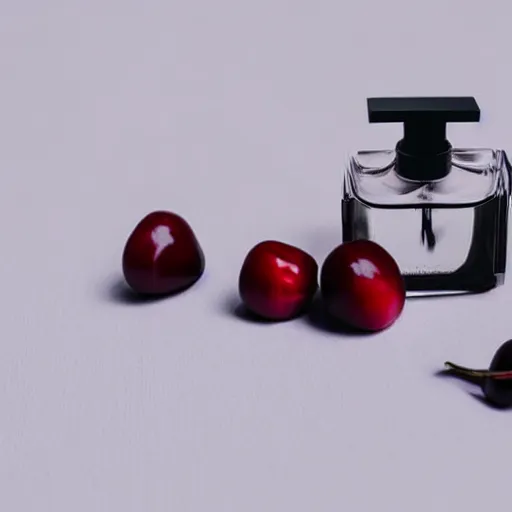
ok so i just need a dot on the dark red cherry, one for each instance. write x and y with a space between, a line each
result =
361 285
277 281
496 382
162 255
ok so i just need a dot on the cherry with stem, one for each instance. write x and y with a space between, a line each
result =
496 382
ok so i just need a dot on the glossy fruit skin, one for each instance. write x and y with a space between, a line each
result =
361 285
162 255
277 281
499 391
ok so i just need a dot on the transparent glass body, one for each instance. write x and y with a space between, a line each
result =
447 236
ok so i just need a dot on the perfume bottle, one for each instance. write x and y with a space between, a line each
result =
441 212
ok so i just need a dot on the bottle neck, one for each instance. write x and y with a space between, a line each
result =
424 154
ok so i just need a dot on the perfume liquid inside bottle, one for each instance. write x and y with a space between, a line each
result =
443 218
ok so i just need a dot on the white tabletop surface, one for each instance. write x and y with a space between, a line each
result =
238 116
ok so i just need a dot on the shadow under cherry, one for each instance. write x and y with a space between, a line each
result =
117 291
475 383
233 306
319 318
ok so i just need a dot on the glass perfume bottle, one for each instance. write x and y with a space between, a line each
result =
441 212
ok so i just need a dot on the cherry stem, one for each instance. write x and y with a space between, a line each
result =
507 374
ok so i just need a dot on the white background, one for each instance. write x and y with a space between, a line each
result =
238 116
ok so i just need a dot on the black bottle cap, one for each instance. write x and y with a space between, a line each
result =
424 153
